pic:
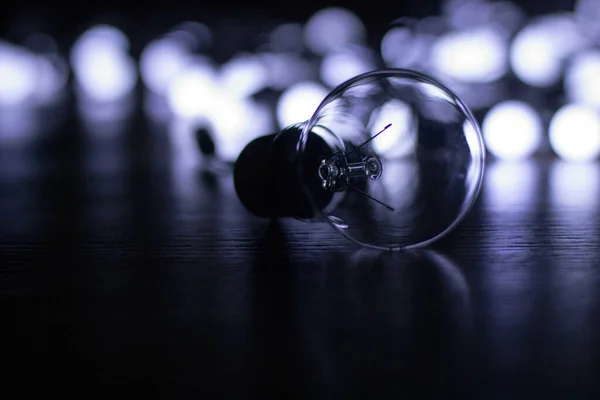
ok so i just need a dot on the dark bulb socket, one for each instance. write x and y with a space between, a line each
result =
272 182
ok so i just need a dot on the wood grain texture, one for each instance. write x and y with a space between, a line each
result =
123 272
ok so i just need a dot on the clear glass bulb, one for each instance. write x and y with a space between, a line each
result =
403 161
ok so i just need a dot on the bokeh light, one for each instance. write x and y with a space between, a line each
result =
512 130
18 75
191 94
581 78
244 75
103 69
402 139
339 66
539 51
488 52
477 55
299 102
161 61
332 29
574 133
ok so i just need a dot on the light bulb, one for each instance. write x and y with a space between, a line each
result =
392 159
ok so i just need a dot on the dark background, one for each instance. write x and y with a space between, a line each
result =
141 282
66 18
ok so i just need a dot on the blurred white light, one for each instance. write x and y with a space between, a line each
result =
574 133
299 102
574 185
338 67
511 186
53 75
18 75
538 52
512 130
244 75
587 13
192 92
582 78
103 69
104 34
235 122
333 28
53 69
476 55
231 120
287 38
160 62
284 70
402 48
398 140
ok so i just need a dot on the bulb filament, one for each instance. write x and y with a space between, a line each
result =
335 172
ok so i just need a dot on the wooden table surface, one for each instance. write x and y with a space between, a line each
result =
125 272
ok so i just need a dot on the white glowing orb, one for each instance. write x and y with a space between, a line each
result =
582 83
512 130
192 93
232 121
575 133
162 61
476 55
244 75
333 28
18 75
235 122
338 67
538 52
399 140
103 70
299 102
